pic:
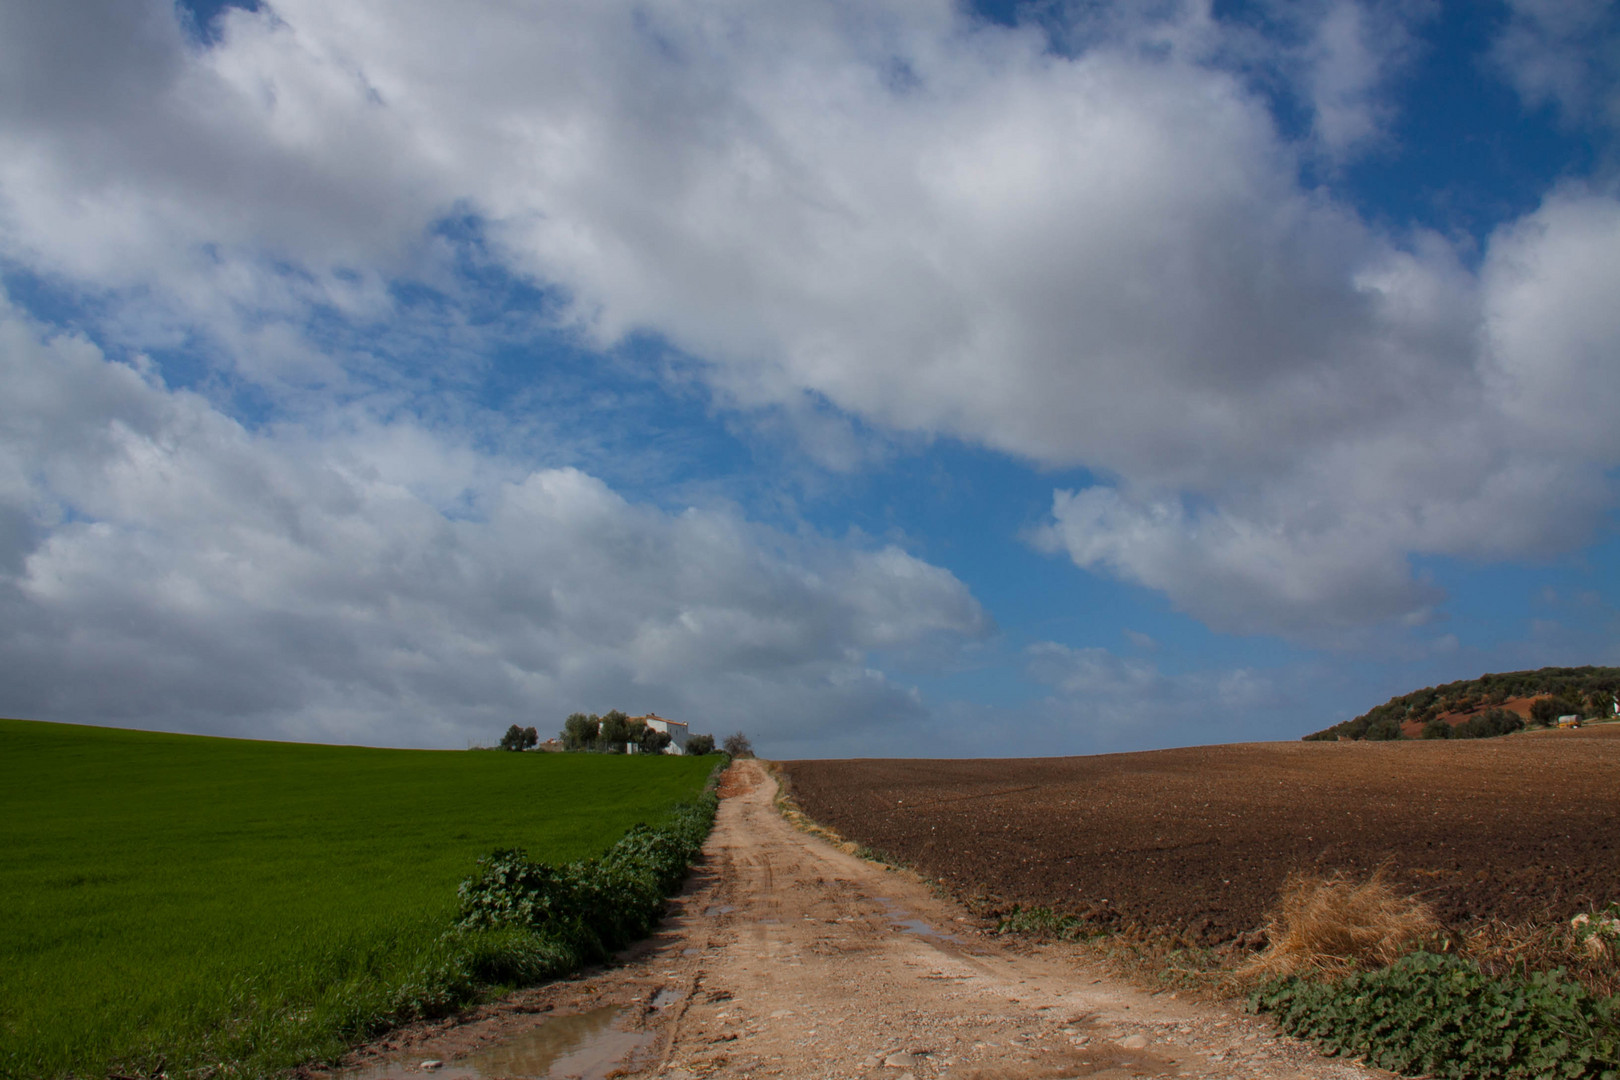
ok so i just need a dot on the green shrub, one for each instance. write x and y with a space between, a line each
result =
1489 724
1387 729
1439 1015
587 910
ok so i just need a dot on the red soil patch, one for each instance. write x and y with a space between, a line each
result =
1200 840
736 781
1519 706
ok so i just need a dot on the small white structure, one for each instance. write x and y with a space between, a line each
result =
676 730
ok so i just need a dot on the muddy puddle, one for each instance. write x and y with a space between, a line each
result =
901 919
584 1046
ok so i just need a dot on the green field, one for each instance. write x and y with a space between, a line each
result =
185 900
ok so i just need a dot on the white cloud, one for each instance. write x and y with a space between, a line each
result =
1565 53
1352 53
1509 460
160 565
936 227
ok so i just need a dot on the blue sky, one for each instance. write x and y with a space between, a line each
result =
876 379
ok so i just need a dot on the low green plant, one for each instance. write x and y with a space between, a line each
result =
1439 1015
1043 922
877 855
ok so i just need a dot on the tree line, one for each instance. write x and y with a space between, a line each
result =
616 733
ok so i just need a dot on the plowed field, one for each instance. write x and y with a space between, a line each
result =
1200 840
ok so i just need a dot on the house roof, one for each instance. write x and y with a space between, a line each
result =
661 719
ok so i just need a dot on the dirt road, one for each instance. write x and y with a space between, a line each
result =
787 958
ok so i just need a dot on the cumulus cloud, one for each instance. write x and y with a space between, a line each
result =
1102 257
1510 460
160 565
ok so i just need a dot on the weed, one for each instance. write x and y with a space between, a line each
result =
1598 932
1585 947
1331 927
1044 923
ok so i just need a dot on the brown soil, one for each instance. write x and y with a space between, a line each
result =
1199 841
787 957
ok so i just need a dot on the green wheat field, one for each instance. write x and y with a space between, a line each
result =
227 907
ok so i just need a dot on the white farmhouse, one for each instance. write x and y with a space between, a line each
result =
677 731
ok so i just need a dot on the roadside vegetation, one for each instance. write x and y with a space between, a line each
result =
1366 972
560 917
1472 708
217 907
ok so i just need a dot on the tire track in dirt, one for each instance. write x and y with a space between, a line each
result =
785 957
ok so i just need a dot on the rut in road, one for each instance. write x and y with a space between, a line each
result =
785 957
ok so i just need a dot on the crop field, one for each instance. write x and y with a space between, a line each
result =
1199 841
171 897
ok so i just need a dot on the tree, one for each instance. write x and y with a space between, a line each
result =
1383 730
1547 710
513 739
1489 724
531 738
737 745
698 745
580 731
652 740
614 732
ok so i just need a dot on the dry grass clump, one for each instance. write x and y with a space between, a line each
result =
1332 927
1503 949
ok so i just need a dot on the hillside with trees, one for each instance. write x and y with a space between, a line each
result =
1489 705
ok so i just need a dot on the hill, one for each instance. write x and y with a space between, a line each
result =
1583 691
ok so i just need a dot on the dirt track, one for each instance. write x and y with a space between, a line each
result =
785 957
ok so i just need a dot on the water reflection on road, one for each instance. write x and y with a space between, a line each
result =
584 1046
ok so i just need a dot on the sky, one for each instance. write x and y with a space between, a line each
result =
875 378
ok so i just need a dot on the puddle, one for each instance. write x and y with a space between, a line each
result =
901 919
917 926
666 997
585 1046
711 912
